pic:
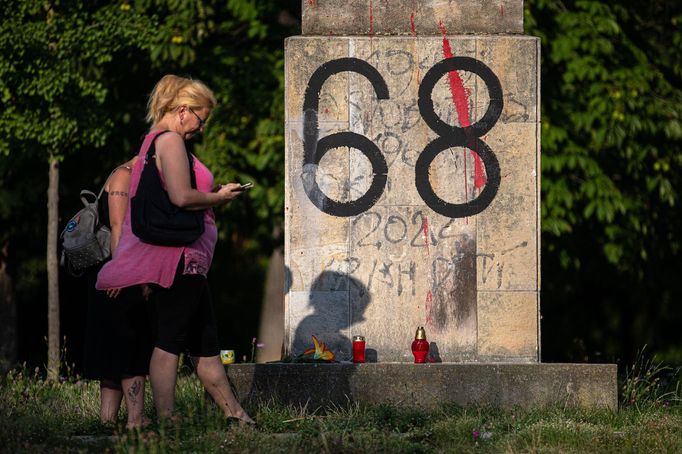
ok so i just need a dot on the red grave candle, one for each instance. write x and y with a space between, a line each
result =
420 346
358 349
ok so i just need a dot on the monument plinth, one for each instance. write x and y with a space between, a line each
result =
412 180
412 199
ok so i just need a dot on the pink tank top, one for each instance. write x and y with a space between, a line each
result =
135 262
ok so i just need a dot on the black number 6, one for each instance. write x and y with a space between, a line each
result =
315 149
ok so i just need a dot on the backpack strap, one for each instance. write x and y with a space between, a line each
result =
84 198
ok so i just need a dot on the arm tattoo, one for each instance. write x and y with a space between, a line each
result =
124 194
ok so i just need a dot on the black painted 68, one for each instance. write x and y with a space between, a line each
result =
449 136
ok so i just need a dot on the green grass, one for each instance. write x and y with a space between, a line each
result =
41 416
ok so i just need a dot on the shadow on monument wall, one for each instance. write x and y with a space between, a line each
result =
338 301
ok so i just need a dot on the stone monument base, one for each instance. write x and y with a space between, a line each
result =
428 385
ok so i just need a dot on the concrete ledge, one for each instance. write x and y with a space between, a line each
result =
428 385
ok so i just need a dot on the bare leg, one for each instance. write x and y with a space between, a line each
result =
211 373
163 373
133 390
110 401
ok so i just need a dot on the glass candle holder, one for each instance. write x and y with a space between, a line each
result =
358 349
420 346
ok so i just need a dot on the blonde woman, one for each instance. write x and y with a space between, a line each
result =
178 108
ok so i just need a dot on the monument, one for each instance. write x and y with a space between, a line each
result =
412 199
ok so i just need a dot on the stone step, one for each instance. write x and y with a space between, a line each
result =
428 386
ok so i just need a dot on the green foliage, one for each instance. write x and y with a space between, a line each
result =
74 77
55 63
611 169
611 125
52 73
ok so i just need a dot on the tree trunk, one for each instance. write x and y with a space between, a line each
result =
52 272
271 331
8 315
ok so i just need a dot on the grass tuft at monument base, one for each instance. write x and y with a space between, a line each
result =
41 416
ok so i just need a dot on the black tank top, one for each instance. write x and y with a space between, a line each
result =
104 209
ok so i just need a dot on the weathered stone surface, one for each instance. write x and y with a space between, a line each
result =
508 247
411 17
397 263
519 61
508 326
428 386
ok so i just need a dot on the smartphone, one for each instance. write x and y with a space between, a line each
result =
246 186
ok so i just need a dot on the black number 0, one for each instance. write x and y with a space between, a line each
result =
449 136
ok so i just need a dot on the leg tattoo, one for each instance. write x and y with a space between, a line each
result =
134 390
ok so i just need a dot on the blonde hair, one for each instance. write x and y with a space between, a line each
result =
174 91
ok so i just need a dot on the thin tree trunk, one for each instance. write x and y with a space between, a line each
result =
271 331
8 317
52 272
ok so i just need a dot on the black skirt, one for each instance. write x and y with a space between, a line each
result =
118 333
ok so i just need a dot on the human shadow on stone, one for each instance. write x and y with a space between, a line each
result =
334 303
338 302
288 279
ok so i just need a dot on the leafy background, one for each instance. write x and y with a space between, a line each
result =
74 77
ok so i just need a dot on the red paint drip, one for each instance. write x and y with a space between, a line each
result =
461 101
428 307
371 20
312 2
414 30
425 229
502 10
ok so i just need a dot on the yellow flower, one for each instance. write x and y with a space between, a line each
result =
177 39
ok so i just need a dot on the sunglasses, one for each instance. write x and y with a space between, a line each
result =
202 123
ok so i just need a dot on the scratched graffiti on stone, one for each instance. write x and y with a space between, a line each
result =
383 265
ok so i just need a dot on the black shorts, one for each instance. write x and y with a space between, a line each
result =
184 316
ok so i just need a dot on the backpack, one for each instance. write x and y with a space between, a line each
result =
85 241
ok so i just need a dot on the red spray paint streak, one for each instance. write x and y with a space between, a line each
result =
428 306
425 229
461 101
502 10
371 20
414 30
312 3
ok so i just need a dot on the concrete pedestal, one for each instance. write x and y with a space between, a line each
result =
428 386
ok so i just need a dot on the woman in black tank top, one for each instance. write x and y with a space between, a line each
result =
118 340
